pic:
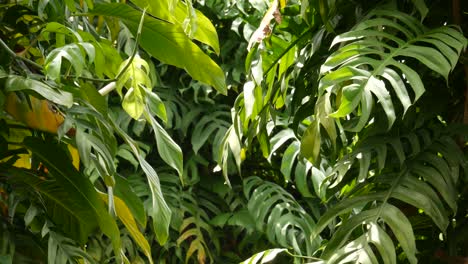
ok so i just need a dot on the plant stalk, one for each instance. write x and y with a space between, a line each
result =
16 56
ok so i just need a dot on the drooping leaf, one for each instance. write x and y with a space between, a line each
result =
159 211
136 79
310 142
73 183
169 151
156 106
71 52
124 191
65 207
18 83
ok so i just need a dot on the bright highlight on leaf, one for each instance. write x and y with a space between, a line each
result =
337 143
135 78
168 43
264 256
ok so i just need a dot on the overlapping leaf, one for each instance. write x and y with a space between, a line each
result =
279 215
371 63
75 190
425 179
73 54
168 43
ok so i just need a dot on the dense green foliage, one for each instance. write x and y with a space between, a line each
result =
226 131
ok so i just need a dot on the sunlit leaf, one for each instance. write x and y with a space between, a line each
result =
168 43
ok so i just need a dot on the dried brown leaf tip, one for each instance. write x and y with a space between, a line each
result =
264 30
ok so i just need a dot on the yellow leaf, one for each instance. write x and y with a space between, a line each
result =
16 136
75 156
282 3
126 217
39 115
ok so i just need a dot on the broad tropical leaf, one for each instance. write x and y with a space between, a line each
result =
73 183
424 179
168 43
18 83
279 215
65 207
371 63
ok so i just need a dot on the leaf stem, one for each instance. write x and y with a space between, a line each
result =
16 56
111 86
301 256
108 88
90 78
397 180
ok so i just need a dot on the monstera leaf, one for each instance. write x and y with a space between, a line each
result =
371 63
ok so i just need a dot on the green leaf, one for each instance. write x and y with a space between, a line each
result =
344 232
123 190
310 142
289 157
90 94
156 106
392 216
397 82
61 249
63 171
134 103
389 35
378 88
18 83
169 151
279 215
161 9
60 29
201 134
422 8
279 139
168 43
382 242
350 98
401 228
343 207
70 52
436 179
204 31
301 178
420 195
430 57
64 205
135 77
249 98
159 211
